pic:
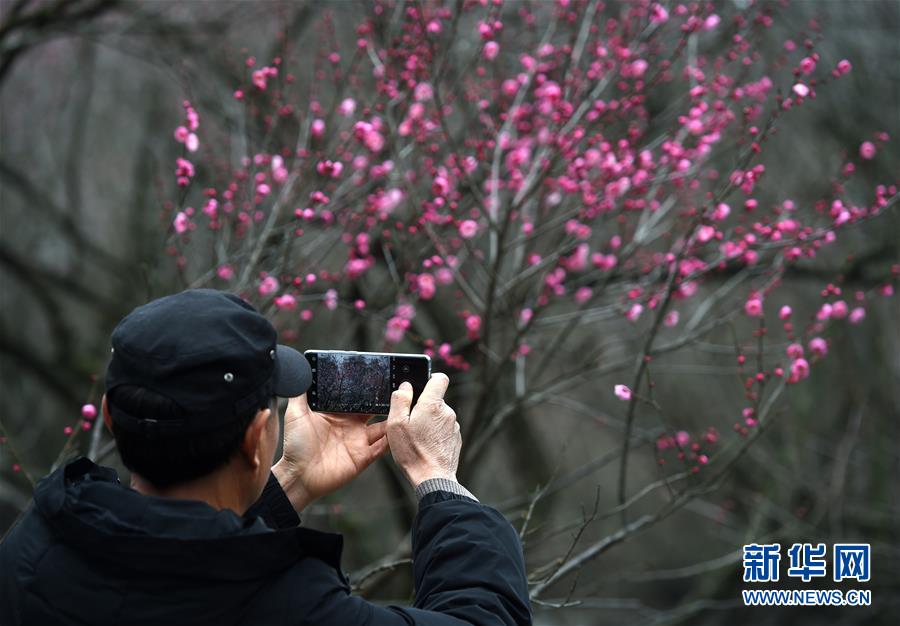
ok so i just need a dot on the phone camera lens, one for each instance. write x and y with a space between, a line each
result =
405 369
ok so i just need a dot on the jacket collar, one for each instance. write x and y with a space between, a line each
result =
91 510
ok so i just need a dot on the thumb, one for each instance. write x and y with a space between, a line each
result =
401 401
435 388
297 406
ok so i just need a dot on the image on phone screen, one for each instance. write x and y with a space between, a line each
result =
362 382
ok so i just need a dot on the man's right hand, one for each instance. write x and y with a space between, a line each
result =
425 441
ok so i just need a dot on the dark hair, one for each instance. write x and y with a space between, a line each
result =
169 461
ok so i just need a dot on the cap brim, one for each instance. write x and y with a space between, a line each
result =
293 375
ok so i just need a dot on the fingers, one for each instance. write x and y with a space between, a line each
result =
435 388
378 448
401 401
376 431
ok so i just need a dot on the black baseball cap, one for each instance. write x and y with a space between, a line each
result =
209 351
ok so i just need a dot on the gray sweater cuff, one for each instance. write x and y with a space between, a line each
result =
442 484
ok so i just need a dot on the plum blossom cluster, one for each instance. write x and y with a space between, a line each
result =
692 450
89 414
400 322
809 344
514 213
187 133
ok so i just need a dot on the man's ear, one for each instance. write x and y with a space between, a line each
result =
107 418
253 437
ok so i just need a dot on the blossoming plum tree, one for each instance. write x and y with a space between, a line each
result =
551 200
539 196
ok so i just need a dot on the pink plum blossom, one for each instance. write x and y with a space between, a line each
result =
754 307
721 212
807 65
347 107
225 272
331 299
705 233
210 209
268 285
634 312
193 119
818 346
799 370
468 229
286 302
671 319
184 171
259 79
423 92
426 286
491 49
473 325
331 169
583 294
711 22
622 392
839 310
180 222
396 329
638 68
405 311
867 150
658 14
444 276
374 141
603 261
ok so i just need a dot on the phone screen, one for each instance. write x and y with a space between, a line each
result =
362 382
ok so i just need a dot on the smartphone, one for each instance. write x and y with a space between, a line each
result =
362 382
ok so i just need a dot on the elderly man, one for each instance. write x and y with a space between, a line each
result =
208 532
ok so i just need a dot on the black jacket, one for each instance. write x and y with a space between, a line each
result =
92 551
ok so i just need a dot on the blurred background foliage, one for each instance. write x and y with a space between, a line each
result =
90 91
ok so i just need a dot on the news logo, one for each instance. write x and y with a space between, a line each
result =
807 561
